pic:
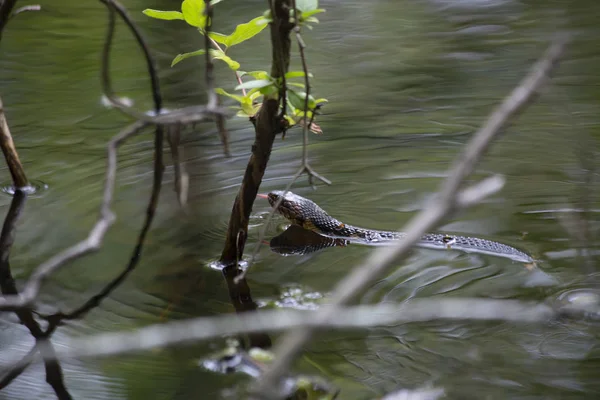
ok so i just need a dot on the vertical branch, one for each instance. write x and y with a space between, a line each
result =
6 7
267 125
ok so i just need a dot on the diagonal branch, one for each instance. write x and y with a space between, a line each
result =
267 125
379 262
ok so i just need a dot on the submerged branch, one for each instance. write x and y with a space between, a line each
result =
380 261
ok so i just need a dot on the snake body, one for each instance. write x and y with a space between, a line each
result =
306 213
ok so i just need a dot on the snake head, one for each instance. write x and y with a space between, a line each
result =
290 205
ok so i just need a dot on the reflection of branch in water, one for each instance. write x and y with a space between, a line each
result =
297 241
54 375
241 299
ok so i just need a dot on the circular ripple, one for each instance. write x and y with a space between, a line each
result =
35 188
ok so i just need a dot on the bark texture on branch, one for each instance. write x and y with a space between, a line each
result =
268 124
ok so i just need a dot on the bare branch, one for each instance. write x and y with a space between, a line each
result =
18 368
89 244
290 346
10 153
363 316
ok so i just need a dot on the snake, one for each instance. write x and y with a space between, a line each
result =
307 214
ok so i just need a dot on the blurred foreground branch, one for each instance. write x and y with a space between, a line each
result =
380 261
364 316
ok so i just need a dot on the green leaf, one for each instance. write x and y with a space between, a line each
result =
259 74
222 92
220 55
247 106
308 14
219 37
297 100
307 5
254 94
213 2
311 20
290 120
193 12
167 15
296 74
296 84
259 83
268 90
183 56
320 101
244 32
263 20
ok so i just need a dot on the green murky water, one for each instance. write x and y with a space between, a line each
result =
408 83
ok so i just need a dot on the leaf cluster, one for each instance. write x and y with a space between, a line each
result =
193 13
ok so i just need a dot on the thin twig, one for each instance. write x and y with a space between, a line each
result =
263 231
237 74
213 100
379 262
32 7
18 368
362 316
306 125
181 176
283 89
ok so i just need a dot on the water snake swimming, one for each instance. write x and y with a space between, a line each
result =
307 214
